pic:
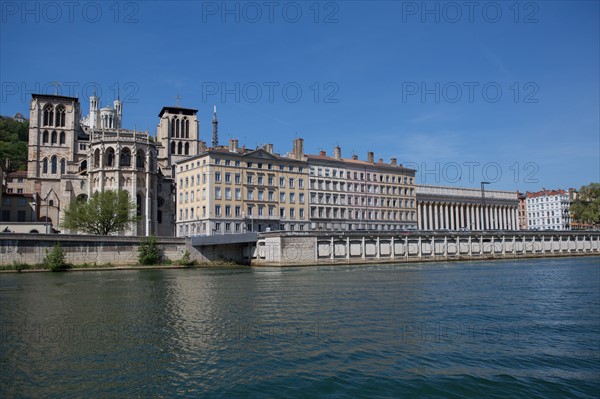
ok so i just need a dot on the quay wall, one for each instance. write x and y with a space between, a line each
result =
116 250
314 248
79 249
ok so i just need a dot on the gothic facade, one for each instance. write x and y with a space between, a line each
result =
71 157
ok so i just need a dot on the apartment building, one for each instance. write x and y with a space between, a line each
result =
548 209
229 190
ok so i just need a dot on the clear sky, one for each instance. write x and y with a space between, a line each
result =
507 92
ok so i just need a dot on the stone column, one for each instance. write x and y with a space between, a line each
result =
469 220
446 219
420 216
430 216
452 210
435 216
461 222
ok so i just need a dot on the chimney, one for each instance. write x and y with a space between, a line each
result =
380 161
233 145
337 152
268 148
370 157
354 157
322 153
298 151
394 161
202 145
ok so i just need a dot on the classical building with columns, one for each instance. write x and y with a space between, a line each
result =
453 208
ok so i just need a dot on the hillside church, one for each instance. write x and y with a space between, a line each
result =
71 156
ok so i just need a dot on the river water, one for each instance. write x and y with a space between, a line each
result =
494 329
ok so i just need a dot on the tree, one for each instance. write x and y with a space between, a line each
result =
13 142
148 252
55 259
107 212
586 208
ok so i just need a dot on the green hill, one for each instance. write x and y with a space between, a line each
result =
13 142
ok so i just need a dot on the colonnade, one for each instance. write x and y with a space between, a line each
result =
432 215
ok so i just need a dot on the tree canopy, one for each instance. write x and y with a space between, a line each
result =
106 212
13 142
586 208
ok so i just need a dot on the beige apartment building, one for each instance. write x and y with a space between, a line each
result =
352 194
232 190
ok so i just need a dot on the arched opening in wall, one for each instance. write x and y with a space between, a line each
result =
110 157
172 132
151 159
82 198
172 147
187 129
53 164
45 137
34 232
53 140
179 148
139 205
45 166
97 158
184 123
62 140
139 159
83 166
48 115
47 220
63 166
51 203
187 149
60 116
125 157
177 128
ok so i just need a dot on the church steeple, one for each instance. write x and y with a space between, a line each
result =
215 122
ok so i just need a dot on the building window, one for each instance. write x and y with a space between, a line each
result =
54 164
48 115
139 159
53 139
45 165
63 166
217 210
125 158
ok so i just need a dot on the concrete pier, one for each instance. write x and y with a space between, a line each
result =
312 248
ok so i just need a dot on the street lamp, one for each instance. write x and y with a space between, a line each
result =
483 183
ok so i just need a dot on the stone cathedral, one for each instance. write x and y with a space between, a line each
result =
71 156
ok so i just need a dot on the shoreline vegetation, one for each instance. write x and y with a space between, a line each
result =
17 267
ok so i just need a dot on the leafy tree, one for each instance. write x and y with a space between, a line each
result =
13 142
55 259
148 252
106 212
586 208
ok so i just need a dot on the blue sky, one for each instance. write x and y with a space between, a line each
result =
507 92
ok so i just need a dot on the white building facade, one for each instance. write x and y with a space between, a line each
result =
548 210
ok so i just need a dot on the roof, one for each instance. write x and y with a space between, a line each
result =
177 110
356 162
54 96
18 173
545 193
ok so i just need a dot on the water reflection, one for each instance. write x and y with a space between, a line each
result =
240 332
